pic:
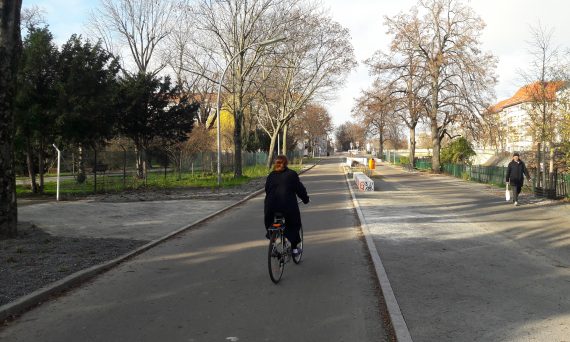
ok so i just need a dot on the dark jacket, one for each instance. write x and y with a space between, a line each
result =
281 191
516 172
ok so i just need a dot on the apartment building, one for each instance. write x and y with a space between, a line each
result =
513 115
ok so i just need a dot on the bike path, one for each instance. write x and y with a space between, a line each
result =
467 266
212 284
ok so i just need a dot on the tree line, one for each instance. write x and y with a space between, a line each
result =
148 71
78 98
435 74
279 57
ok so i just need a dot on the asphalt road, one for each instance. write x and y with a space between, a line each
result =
211 284
467 266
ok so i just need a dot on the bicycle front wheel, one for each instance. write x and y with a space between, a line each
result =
276 259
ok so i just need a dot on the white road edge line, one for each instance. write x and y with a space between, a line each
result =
396 317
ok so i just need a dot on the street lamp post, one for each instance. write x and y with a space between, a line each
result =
58 171
218 107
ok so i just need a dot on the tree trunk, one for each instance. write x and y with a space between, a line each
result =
272 149
412 154
9 52
551 149
95 170
381 145
543 161
30 164
41 165
238 120
139 161
284 148
537 178
436 142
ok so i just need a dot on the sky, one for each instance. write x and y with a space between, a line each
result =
506 34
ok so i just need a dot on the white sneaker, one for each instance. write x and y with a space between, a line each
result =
516 204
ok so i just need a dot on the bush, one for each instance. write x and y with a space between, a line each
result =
404 160
457 152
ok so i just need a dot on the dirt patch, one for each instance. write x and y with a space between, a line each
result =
35 258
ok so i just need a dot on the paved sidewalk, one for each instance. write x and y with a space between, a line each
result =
467 266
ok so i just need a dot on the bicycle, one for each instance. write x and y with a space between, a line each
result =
279 251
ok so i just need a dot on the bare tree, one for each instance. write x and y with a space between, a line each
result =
376 110
310 66
460 76
563 128
356 133
189 63
493 133
234 32
402 72
33 16
139 26
313 123
544 80
10 46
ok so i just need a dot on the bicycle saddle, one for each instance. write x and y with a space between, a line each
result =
278 218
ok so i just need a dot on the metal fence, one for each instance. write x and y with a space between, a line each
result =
551 185
395 157
109 171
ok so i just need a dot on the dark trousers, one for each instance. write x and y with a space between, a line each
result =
515 191
292 234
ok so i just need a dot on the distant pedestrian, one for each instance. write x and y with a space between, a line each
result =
516 173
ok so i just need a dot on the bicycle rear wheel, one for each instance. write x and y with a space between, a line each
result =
298 257
276 258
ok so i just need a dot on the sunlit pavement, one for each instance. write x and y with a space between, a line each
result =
212 284
467 266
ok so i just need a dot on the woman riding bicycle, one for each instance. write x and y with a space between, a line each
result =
281 190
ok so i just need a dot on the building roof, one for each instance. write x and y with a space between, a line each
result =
529 93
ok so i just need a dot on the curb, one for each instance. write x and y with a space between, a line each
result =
43 294
397 319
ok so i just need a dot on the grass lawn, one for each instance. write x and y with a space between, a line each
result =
155 180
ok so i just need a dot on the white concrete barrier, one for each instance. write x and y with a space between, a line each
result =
362 161
363 182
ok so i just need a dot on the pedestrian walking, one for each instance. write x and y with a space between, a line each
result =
516 173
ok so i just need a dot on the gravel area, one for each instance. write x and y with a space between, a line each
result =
35 259
237 192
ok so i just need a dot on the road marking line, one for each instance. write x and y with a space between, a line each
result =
398 323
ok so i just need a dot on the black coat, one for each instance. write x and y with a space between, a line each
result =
516 172
281 191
